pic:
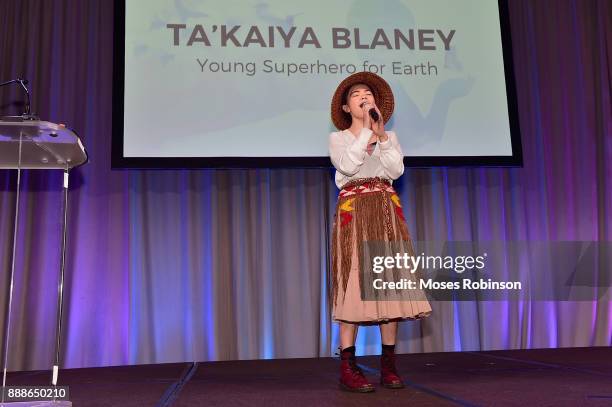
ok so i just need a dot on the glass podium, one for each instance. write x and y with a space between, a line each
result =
33 144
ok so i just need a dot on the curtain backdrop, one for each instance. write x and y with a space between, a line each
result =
194 265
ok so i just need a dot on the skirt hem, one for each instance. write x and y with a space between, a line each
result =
421 315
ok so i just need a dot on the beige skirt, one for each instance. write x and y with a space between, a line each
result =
369 210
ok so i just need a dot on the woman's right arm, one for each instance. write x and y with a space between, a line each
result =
348 157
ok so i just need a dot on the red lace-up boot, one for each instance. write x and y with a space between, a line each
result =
388 373
351 376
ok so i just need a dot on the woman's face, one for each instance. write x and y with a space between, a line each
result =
356 96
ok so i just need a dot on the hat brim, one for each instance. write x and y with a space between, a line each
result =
380 89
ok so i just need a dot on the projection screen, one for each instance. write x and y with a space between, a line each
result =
248 83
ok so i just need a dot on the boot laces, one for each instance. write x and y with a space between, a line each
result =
389 363
355 369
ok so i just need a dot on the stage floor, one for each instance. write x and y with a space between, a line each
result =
538 377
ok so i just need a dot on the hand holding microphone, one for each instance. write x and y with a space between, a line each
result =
370 110
372 119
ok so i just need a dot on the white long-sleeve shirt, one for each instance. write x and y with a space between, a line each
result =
349 156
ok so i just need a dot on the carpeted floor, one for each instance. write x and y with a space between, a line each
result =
539 377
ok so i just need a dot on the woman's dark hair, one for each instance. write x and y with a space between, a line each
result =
345 96
345 102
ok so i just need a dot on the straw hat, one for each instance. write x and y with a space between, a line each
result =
380 89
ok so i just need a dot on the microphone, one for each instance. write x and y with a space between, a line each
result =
373 113
23 82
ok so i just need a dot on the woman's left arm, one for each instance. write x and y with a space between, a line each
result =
391 156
